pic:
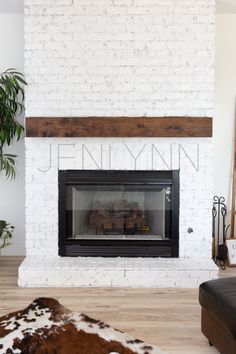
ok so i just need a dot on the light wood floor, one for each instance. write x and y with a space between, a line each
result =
167 317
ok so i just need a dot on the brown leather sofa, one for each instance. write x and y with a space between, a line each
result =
218 323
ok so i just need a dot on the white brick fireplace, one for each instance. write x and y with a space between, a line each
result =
118 58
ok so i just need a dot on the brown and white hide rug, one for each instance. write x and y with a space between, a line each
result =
46 327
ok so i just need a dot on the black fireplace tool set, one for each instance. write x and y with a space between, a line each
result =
219 231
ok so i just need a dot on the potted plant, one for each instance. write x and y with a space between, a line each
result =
6 233
11 106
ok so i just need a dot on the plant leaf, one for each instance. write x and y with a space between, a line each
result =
11 104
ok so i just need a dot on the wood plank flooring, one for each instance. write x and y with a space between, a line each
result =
167 317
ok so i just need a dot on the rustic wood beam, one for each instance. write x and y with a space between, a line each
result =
119 127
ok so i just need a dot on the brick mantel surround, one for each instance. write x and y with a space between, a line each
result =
115 58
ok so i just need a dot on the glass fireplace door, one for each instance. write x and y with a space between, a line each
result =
119 213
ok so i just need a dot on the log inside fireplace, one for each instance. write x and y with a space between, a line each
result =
120 217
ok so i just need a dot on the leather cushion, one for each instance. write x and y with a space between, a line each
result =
218 297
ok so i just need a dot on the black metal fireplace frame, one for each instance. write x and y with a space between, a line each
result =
116 248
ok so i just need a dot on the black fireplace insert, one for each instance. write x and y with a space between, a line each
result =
119 213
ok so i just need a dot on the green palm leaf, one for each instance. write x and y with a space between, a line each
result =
11 105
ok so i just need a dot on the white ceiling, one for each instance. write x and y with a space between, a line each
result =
16 6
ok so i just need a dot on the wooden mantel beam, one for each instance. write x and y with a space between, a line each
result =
118 127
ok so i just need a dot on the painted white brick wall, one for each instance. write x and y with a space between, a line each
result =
118 58
115 57
46 155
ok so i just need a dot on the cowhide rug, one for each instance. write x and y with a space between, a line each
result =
46 327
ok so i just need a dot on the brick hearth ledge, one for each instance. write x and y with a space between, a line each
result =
115 272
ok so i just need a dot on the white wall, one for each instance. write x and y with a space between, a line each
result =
225 103
12 192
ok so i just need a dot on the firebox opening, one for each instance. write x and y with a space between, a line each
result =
118 213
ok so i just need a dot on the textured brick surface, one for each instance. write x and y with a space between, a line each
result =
44 156
115 272
114 58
